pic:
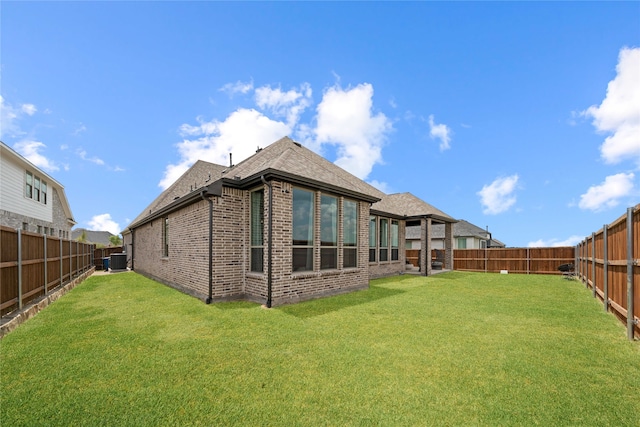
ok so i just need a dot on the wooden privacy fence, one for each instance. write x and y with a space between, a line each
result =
32 265
607 263
100 253
514 260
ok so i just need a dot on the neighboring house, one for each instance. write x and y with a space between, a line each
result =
282 226
465 236
90 236
30 199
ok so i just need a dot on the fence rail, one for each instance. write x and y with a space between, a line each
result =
32 265
607 263
514 260
100 253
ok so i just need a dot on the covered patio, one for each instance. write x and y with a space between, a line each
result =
416 212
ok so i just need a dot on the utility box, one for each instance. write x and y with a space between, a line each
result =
118 262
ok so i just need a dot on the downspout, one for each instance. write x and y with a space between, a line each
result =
270 246
210 297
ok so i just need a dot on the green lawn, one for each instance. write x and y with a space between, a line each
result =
453 349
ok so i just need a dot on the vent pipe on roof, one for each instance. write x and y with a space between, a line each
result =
230 160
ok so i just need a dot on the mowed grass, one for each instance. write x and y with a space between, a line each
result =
452 349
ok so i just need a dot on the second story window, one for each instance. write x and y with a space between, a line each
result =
35 188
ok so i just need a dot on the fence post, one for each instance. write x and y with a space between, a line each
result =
630 263
61 264
605 258
593 263
19 269
45 265
70 260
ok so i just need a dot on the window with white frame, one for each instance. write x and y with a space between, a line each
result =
35 188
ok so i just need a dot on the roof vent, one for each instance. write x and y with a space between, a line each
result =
298 144
237 177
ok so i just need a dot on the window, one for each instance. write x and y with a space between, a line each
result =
372 239
328 232
39 229
257 231
43 190
462 243
36 189
303 220
350 234
29 186
165 236
394 240
384 239
25 226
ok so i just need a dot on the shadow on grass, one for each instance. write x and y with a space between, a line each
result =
321 306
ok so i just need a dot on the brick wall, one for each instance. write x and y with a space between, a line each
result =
186 267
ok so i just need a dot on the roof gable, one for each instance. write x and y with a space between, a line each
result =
200 174
291 158
408 205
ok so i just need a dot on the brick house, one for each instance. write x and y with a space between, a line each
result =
285 225
30 199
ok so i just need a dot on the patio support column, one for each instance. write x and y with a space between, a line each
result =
448 245
425 259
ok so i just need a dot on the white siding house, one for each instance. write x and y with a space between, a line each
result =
30 199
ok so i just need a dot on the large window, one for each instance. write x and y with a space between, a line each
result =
328 232
394 240
257 231
384 239
372 239
350 234
165 236
35 188
303 220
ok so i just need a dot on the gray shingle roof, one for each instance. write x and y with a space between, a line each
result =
283 156
406 204
461 228
91 236
289 157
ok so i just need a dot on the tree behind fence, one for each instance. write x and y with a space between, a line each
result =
32 265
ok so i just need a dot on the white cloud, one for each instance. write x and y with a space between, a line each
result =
607 194
237 87
569 241
83 155
30 150
382 186
103 222
619 112
345 119
498 196
240 133
10 115
441 132
288 104
29 109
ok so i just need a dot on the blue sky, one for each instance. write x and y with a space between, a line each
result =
523 117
